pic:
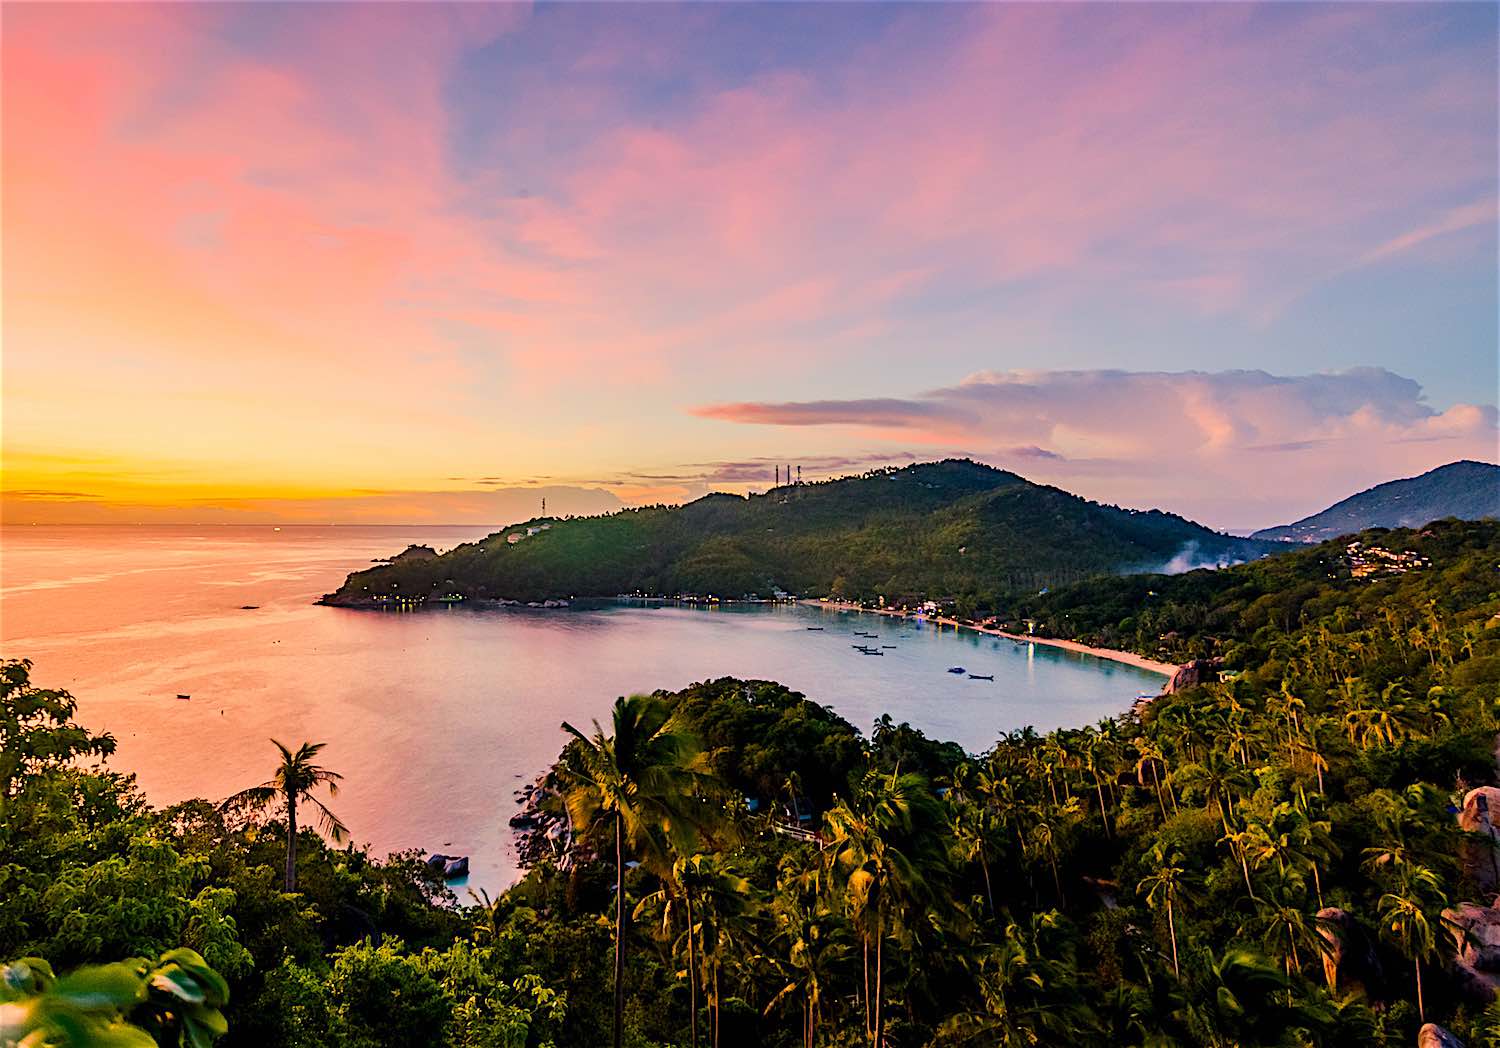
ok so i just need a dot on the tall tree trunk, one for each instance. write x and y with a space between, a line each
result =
879 991
291 843
619 930
716 1004
1421 1011
1172 928
869 1016
1245 868
692 971
1103 811
989 894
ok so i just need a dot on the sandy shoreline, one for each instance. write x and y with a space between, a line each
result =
1129 658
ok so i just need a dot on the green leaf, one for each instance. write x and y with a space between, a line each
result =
179 984
118 986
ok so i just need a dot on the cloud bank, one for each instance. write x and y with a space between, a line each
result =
1232 448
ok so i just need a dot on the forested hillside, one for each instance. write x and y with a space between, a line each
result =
952 529
1230 612
1467 490
1277 858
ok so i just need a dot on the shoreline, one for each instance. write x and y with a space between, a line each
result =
1129 658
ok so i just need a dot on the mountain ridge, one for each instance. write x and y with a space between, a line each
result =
953 529
1466 489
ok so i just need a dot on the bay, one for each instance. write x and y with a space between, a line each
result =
437 717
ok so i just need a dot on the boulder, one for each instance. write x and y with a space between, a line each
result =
1474 987
456 868
437 860
1476 932
1480 815
1434 1036
1350 961
1191 674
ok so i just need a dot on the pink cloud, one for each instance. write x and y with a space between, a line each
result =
338 226
1235 447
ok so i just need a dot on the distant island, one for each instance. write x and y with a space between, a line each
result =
1467 490
957 531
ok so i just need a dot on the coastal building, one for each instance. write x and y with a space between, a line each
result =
1374 561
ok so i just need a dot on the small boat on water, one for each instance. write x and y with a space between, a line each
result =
956 669
184 697
871 651
981 676
888 645
815 627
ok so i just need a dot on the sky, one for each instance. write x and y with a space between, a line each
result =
429 263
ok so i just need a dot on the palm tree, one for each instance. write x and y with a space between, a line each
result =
1406 912
1293 840
1029 990
1220 779
1239 841
1097 754
672 900
645 784
709 899
1285 925
1164 886
886 841
812 939
724 903
293 783
973 822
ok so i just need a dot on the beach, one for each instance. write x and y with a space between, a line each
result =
1129 658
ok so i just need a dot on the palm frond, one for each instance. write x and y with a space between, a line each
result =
329 821
253 799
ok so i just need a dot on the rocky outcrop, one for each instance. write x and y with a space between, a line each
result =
1476 963
1434 1036
1190 674
1480 815
1350 961
452 867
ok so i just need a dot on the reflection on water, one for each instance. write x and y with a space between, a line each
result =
435 718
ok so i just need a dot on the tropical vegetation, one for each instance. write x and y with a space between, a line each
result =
955 530
1269 857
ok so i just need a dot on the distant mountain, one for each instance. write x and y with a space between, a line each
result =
1467 490
943 529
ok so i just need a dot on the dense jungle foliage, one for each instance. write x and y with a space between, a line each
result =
1262 860
953 529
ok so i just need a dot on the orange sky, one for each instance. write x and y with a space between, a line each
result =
315 262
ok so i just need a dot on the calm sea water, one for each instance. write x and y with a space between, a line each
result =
435 718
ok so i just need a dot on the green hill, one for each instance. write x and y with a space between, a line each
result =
1217 613
952 529
1467 490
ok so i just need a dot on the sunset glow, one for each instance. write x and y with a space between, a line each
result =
395 262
